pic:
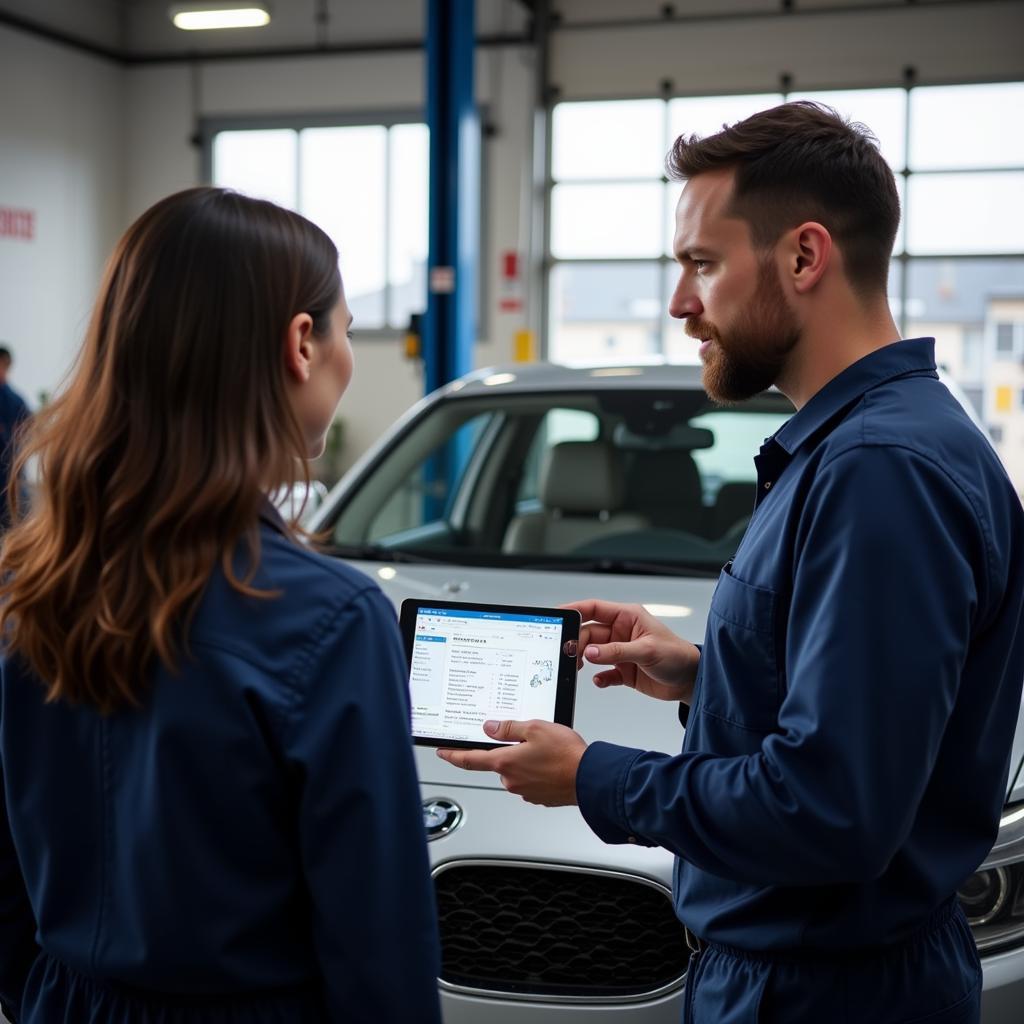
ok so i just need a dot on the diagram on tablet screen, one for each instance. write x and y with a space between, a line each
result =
543 672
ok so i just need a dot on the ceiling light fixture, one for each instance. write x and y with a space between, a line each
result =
220 14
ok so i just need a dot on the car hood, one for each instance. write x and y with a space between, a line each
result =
618 715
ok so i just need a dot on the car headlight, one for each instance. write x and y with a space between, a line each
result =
993 897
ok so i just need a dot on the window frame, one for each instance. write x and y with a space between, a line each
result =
388 118
1012 354
901 258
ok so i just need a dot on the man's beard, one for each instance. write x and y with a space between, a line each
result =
751 356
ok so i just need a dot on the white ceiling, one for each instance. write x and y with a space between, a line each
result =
142 27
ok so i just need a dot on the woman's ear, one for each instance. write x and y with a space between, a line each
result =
298 347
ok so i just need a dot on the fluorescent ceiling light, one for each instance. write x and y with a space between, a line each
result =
222 14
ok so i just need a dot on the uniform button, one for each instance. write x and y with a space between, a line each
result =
768 485
632 839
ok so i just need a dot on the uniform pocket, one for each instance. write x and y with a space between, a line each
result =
965 1010
740 682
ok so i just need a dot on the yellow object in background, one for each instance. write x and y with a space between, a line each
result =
412 343
1004 398
525 347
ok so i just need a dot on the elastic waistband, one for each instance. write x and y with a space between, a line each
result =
936 921
58 972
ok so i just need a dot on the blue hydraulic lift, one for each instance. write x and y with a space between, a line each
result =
449 324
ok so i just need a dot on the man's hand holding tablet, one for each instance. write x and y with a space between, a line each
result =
641 653
540 767
499 677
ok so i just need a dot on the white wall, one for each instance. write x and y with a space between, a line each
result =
61 144
100 22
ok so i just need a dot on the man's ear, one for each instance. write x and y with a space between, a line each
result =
806 252
298 347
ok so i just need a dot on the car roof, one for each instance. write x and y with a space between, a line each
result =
534 377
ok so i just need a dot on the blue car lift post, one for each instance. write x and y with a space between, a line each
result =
449 325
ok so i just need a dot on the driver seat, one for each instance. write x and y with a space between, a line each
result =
581 492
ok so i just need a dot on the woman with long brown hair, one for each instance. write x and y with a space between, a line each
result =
210 810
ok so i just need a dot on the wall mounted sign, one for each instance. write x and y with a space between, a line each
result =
15 223
442 280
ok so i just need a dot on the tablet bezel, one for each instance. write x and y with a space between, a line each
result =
565 692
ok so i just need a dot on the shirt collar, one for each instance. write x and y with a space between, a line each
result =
270 515
916 355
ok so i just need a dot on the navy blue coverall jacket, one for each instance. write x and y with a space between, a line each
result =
847 749
13 412
248 846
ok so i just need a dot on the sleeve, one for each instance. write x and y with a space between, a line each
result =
18 948
890 568
363 845
684 708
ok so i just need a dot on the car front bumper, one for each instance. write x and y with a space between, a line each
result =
498 827
1002 1000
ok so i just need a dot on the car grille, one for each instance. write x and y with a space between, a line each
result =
557 933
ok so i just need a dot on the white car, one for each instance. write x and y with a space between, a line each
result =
539 485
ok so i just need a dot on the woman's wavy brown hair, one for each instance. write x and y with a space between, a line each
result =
156 459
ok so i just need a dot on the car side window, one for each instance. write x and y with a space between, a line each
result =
728 474
738 436
558 425
416 492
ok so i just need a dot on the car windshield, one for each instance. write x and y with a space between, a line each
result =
629 481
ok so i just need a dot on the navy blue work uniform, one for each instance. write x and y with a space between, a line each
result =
13 412
248 846
847 751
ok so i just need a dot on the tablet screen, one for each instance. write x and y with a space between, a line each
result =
469 665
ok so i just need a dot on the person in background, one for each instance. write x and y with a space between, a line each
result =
852 708
13 413
209 809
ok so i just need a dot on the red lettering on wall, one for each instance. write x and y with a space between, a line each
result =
15 223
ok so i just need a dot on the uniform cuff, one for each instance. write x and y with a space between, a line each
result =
600 791
684 709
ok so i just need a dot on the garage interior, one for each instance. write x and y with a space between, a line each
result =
110 107
544 238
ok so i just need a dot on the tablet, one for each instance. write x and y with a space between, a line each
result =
472 662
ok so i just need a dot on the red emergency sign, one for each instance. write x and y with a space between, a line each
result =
15 223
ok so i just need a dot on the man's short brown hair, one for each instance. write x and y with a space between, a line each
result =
802 162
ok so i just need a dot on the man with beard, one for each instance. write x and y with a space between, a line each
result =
851 710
